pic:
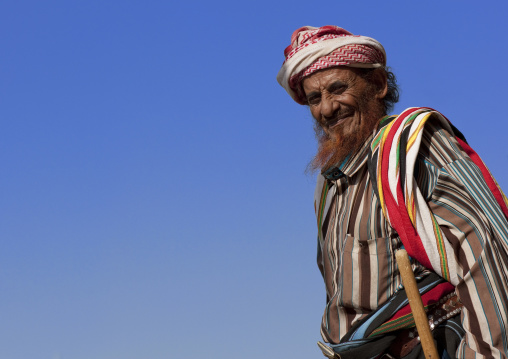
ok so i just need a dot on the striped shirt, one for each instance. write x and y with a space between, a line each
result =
357 245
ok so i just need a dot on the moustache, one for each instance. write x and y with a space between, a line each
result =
337 118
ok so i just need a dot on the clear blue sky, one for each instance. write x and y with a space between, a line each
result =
153 201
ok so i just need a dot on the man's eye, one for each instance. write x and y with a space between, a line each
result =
313 100
338 90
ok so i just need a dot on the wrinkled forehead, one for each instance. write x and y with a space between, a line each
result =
323 78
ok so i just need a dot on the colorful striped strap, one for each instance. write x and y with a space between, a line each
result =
392 160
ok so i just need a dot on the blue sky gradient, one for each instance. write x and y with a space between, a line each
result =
153 196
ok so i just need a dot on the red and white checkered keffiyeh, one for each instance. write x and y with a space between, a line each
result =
317 48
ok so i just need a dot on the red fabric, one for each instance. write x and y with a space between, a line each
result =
399 218
307 35
486 175
428 298
342 56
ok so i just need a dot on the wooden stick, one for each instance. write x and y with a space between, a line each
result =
416 304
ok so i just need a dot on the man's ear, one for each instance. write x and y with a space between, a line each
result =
381 82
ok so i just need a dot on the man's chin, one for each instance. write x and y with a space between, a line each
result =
331 150
335 144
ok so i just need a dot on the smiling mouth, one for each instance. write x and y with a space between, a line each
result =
337 121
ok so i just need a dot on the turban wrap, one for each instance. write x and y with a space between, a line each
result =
316 48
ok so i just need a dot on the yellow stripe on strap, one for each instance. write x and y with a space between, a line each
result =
412 139
380 160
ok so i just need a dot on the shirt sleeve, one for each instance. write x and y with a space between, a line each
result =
473 223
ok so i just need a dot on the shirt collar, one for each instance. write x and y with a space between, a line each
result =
351 164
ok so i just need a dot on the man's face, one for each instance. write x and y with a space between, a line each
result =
346 107
338 98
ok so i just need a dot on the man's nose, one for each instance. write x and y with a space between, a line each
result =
328 106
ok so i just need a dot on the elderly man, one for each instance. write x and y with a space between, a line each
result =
389 182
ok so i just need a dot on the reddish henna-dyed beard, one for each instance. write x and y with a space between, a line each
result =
334 145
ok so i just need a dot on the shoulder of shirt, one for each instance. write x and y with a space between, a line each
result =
439 146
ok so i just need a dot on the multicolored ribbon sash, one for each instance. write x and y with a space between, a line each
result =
392 160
